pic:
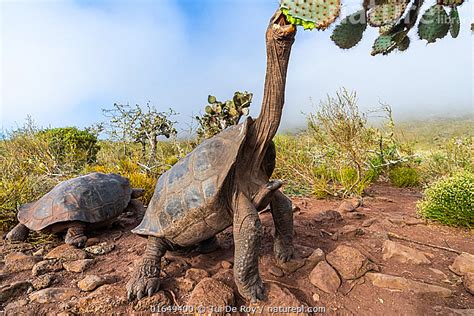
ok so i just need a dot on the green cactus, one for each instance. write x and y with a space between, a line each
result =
387 13
450 2
220 115
349 32
455 23
385 29
311 14
434 24
384 44
404 44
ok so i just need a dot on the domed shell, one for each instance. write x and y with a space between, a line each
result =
184 205
92 198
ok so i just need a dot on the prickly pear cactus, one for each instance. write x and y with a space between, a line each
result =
349 32
450 2
387 13
384 44
220 115
434 24
385 29
404 44
454 21
311 14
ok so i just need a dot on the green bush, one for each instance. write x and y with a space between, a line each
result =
450 200
71 146
404 177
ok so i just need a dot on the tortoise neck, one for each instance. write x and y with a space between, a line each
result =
280 36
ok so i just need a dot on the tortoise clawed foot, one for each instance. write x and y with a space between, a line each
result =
145 281
78 240
253 292
18 233
282 251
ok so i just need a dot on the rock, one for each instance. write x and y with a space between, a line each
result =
92 241
43 281
414 221
47 266
463 264
290 266
351 231
13 290
349 262
78 266
18 261
66 252
103 300
468 282
13 307
303 251
405 285
316 297
325 278
100 249
210 292
354 215
349 205
40 252
317 256
52 295
369 222
329 216
185 285
226 264
275 271
403 254
280 301
195 274
91 282
226 277
155 304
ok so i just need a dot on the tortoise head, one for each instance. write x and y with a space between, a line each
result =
136 193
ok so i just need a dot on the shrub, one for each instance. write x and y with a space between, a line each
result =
404 177
450 200
70 147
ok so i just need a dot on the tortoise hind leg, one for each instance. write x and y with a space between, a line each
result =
146 277
18 233
75 235
282 214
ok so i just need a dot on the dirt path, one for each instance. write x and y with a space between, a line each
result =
386 210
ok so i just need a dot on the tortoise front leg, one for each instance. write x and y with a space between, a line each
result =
75 234
247 235
146 277
282 213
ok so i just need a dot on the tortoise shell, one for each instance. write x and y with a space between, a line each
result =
185 207
92 198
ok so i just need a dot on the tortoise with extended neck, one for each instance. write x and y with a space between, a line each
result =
77 205
224 182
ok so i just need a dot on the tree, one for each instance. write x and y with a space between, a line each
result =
140 125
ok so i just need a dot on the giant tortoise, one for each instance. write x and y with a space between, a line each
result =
223 182
75 205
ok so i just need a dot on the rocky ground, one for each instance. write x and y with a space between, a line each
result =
350 260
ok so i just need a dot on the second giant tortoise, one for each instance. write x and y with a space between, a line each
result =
75 205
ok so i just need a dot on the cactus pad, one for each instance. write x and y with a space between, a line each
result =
385 29
349 32
403 44
384 44
434 24
454 22
450 2
387 13
311 13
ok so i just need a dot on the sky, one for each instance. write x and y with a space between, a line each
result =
62 61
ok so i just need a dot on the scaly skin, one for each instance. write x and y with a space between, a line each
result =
18 233
146 277
282 213
75 235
